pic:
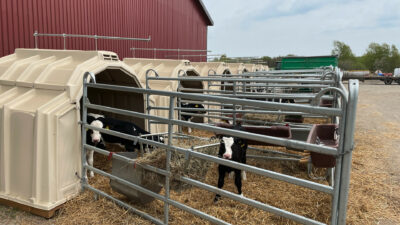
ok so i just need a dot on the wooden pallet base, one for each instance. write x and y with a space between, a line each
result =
39 212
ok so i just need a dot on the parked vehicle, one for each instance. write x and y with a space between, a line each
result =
388 78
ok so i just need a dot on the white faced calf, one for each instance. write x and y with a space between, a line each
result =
234 149
94 137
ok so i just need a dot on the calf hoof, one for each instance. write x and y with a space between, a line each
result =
217 198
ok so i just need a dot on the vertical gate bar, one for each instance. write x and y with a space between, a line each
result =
84 121
148 101
234 105
244 87
154 55
179 104
64 37
348 148
339 163
168 160
35 35
208 106
95 41
83 133
336 183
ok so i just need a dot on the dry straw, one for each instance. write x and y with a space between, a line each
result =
374 194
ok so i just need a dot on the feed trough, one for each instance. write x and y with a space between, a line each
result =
134 174
326 103
323 134
274 131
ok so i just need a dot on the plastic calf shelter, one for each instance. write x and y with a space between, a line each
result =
166 68
250 67
40 152
237 68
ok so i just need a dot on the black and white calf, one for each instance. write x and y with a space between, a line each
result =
231 148
191 106
100 140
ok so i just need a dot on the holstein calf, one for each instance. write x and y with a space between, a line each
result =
231 148
100 140
189 117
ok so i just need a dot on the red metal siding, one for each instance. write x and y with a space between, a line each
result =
171 24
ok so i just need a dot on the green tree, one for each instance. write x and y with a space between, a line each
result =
346 58
381 57
342 50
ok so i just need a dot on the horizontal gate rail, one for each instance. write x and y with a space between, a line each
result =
266 105
266 80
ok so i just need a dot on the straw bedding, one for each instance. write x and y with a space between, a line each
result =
180 165
374 195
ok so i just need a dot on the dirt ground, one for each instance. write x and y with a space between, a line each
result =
375 183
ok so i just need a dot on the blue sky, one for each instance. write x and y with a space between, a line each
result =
306 27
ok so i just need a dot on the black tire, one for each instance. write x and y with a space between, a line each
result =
388 81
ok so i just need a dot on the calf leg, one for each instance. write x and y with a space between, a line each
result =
129 147
90 161
189 128
221 178
238 181
244 176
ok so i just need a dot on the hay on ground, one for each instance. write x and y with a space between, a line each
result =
181 164
374 194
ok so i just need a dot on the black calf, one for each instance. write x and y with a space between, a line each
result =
234 149
191 105
97 139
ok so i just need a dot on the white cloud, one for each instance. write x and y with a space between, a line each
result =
307 27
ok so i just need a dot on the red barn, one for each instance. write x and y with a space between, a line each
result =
172 24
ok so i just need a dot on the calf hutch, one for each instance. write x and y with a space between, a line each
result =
40 93
237 68
207 68
161 74
260 67
251 67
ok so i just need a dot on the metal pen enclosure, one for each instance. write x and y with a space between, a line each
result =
339 191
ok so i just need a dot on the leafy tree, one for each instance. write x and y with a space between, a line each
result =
381 57
342 50
346 58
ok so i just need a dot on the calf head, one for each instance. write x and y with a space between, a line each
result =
200 106
95 135
156 138
232 148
